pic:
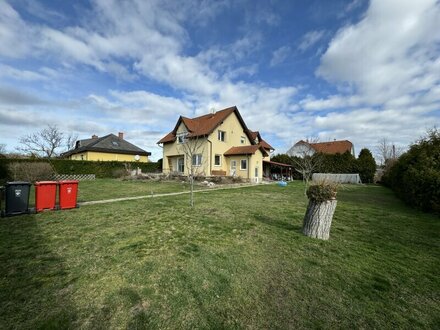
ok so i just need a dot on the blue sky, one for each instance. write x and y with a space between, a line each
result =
357 70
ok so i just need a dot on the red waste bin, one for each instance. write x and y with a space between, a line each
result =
45 195
68 194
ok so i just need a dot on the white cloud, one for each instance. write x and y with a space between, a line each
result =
310 39
10 72
391 52
279 55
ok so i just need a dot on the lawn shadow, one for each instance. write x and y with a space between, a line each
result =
274 222
34 283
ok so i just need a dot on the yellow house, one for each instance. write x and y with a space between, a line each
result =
218 143
107 148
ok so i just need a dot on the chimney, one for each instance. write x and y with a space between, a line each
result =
121 135
94 136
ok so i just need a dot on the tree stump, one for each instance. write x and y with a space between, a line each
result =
318 218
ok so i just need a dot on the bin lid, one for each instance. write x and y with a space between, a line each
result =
45 182
68 181
18 183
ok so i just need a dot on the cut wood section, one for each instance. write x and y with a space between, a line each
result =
318 219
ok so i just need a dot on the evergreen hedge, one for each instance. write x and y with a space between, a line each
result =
338 163
366 166
415 176
64 166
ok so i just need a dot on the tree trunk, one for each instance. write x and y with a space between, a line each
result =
191 198
318 219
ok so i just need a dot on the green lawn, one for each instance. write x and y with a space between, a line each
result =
237 260
100 189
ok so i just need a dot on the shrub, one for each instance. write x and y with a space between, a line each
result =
366 166
337 163
100 168
415 176
322 191
30 171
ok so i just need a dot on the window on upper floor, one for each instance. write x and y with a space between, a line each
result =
181 137
242 140
222 136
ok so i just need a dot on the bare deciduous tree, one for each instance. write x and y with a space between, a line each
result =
386 151
43 143
192 149
2 148
70 141
307 163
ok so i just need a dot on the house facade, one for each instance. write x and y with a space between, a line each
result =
304 148
107 148
215 144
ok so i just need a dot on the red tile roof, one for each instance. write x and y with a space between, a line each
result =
333 147
263 143
245 150
203 125
206 124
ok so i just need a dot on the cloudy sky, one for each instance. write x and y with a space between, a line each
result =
355 69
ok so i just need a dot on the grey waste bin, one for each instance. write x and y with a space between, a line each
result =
16 198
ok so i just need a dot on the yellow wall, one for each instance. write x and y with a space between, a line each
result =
234 133
104 156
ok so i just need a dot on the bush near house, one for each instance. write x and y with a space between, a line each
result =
415 176
64 166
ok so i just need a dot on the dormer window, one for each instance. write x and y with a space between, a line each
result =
116 144
222 136
181 137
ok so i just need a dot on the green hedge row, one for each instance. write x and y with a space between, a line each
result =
415 176
99 168
338 163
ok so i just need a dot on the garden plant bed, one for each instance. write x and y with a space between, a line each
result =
237 259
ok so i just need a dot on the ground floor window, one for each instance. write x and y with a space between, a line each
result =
197 160
217 160
243 164
180 165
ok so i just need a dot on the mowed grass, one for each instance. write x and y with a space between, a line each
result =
101 189
236 260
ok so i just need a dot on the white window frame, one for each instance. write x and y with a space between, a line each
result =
198 160
221 135
241 163
181 137
242 140
220 158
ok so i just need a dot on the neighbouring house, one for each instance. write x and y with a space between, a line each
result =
107 148
225 146
302 148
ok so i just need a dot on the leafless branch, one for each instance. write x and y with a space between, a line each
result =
43 143
193 150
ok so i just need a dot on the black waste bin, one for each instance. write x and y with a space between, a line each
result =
16 198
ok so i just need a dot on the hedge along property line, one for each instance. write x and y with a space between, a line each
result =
100 168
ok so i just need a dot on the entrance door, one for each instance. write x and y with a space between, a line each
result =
233 167
181 165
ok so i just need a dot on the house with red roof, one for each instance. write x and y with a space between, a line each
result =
304 148
222 145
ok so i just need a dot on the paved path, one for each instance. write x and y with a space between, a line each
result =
113 200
